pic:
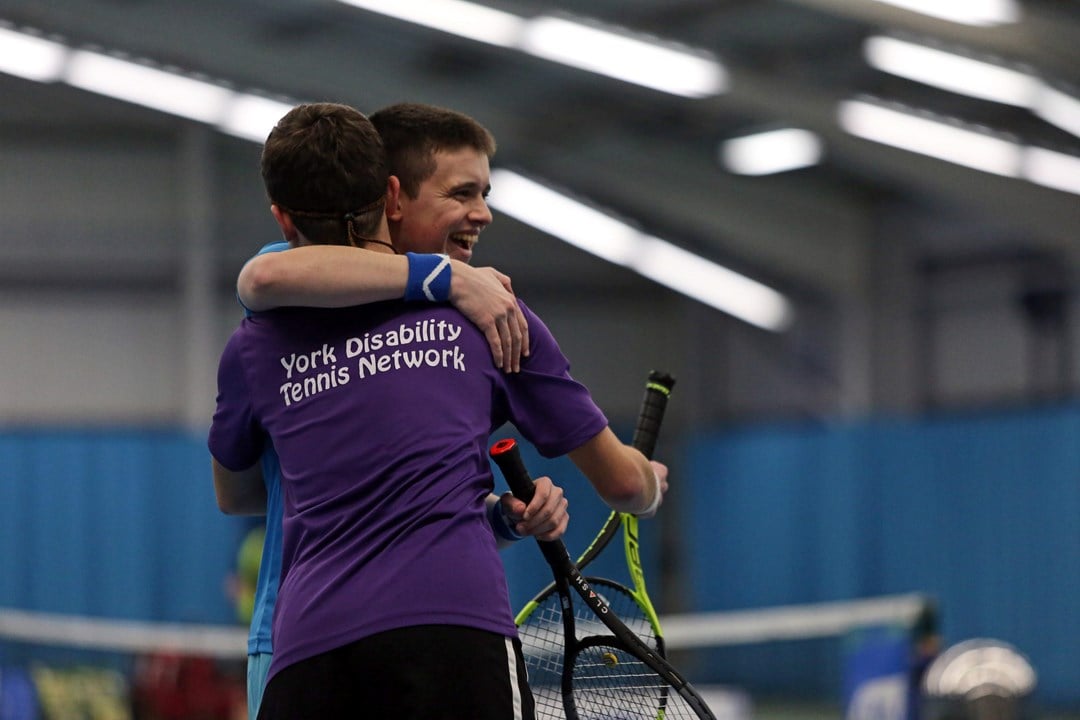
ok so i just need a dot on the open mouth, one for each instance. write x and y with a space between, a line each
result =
465 241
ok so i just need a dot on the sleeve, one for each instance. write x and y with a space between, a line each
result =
552 410
236 438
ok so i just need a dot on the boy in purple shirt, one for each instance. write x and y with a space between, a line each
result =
393 600
437 154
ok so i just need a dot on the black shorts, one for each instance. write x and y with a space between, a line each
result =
427 672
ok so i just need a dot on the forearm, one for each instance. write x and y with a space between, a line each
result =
321 276
622 476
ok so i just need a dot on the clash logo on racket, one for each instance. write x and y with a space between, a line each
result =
581 583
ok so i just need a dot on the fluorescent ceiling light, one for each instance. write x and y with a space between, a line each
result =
959 145
712 284
30 56
980 13
640 60
951 72
930 137
623 57
611 239
974 78
252 117
143 85
456 17
771 152
1052 169
567 219
1058 108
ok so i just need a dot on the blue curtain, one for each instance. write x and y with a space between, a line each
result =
980 512
116 524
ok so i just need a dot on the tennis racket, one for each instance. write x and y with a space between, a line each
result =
540 625
607 670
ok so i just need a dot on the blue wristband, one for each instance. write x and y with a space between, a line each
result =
501 524
429 277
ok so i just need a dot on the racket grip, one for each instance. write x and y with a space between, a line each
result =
657 391
507 456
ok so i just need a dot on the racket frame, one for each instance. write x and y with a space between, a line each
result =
507 456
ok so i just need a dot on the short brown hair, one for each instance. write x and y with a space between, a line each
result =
412 133
325 165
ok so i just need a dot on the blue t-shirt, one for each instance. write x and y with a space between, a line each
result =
270 566
381 417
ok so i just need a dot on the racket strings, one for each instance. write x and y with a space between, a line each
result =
610 683
543 645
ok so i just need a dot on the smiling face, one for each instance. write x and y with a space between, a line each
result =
449 209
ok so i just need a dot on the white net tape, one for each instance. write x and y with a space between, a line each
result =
683 631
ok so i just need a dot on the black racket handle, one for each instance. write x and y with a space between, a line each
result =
507 456
657 391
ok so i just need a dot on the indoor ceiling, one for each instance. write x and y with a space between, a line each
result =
646 155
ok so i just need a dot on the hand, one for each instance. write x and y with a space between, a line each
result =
485 297
547 514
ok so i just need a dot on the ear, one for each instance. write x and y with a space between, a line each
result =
394 211
284 221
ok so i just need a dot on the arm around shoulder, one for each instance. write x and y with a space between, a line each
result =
330 276
321 276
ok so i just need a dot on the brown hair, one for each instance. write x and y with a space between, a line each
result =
325 165
412 133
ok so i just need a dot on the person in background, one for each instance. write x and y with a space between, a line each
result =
242 583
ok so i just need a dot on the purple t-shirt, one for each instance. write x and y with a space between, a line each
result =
381 417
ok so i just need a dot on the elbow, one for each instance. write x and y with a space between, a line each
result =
256 282
621 475
227 508
627 497
638 489
237 505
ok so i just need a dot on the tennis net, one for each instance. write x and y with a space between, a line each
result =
758 663
56 667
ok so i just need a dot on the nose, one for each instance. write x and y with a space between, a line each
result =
480 213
